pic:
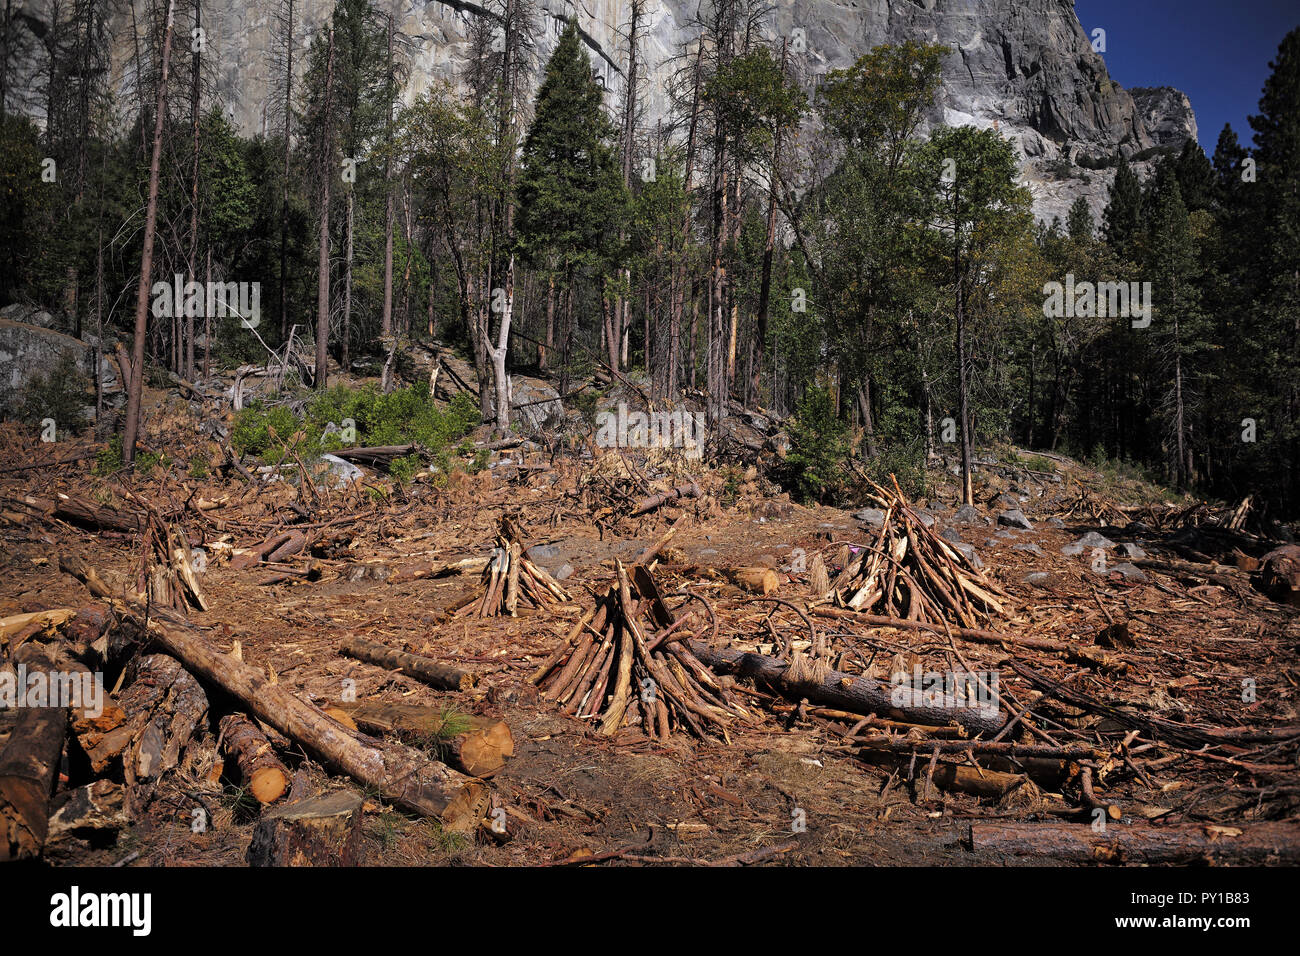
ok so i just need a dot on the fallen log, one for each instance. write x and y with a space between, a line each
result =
845 691
94 807
266 777
412 665
398 772
1246 844
86 512
1077 653
29 764
645 505
477 745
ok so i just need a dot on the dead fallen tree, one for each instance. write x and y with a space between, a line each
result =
690 489
815 681
1247 844
625 663
425 669
399 773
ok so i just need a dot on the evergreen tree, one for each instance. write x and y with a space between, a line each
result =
570 192
1121 221
1079 224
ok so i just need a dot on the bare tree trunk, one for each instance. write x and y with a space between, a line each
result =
347 289
543 353
194 193
323 277
963 411
499 355
136 385
284 193
386 321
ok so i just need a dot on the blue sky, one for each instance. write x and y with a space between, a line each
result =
1215 51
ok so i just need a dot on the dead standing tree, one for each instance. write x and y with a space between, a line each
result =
136 383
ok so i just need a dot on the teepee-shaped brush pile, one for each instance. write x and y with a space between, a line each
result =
910 572
627 662
511 577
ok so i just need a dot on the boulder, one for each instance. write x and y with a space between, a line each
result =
1015 518
29 352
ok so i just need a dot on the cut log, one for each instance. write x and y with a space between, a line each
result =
28 767
86 512
845 691
477 745
1243 844
756 580
263 773
412 665
318 831
646 505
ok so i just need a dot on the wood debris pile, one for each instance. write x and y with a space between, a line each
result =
910 572
511 577
626 663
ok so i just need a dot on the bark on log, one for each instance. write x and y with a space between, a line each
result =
412 665
845 691
318 831
95 807
72 508
477 745
28 767
645 505
266 777
1244 844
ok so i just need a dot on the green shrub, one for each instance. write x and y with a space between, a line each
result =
109 458
254 425
401 417
819 448
55 396
904 461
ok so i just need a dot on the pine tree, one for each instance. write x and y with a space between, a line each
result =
1120 223
570 192
1274 222
1079 223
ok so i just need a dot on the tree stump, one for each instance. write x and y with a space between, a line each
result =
318 831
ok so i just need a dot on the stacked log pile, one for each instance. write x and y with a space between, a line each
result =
626 662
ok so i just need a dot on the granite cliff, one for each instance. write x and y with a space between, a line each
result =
1024 67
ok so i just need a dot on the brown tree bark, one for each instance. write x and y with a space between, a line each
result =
135 387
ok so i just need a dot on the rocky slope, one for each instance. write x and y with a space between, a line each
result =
1025 67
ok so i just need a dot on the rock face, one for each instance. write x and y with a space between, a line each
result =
1023 67
1166 113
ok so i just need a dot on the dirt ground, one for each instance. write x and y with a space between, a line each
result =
790 777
